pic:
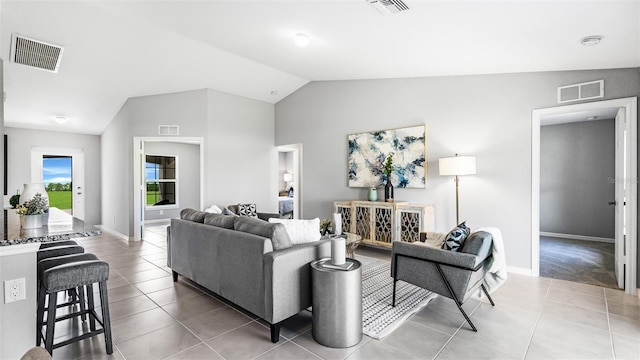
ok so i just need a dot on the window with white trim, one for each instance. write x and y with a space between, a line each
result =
161 181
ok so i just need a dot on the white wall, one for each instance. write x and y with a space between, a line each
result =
577 163
19 144
240 159
188 173
488 116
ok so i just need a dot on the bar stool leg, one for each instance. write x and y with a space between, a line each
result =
51 322
81 299
106 320
92 318
40 314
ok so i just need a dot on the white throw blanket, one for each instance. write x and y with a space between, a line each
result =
497 273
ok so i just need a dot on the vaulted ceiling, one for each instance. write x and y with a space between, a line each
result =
114 50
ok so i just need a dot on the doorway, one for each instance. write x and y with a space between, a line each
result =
62 172
624 181
290 181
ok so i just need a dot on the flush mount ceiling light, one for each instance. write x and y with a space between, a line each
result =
61 120
302 39
591 40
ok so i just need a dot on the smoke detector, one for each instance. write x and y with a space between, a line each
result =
388 7
35 53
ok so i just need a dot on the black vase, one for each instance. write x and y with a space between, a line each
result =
388 191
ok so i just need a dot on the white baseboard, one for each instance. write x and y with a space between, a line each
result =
113 232
158 221
519 270
577 237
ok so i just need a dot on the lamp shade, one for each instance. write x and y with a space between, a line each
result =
457 165
288 177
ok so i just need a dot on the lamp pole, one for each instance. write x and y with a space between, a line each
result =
457 208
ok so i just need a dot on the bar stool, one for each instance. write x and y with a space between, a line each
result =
58 249
70 276
76 295
46 245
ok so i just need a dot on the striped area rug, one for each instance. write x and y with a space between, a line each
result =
378 316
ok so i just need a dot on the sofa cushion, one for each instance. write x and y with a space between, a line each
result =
456 237
478 243
300 231
192 215
219 220
275 232
247 210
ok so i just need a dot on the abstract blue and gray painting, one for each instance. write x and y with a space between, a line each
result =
368 152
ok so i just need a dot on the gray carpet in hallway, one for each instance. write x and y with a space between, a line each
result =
587 262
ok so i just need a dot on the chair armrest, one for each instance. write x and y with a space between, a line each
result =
445 257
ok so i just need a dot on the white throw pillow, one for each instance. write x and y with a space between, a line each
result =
300 231
214 209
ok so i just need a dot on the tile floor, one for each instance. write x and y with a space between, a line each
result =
535 318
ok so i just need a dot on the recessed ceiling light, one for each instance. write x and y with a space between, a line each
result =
61 120
591 40
274 92
592 118
302 39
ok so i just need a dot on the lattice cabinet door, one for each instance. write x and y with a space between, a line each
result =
383 220
362 218
413 219
345 209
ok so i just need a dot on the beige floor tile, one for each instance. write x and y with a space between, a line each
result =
134 305
146 275
116 281
525 297
595 303
92 347
155 284
198 352
159 344
245 342
177 290
307 341
626 306
158 256
626 348
469 348
193 306
288 351
375 349
139 324
216 322
410 338
578 315
584 289
131 269
445 319
119 293
559 338
625 326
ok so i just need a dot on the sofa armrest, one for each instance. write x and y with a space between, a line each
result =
288 278
267 216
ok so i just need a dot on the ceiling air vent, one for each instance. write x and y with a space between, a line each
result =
582 91
387 7
35 53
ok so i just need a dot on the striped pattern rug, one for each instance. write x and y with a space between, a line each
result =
379 318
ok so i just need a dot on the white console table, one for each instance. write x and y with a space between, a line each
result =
380 223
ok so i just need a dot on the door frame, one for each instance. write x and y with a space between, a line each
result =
77 174
629 106
138 189
296 149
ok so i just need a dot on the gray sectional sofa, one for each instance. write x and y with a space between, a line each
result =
247 261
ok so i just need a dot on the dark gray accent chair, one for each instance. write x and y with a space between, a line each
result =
453 274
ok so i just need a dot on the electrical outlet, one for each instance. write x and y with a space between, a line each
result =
14 290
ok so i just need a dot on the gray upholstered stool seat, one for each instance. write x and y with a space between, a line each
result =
73 275
59 251
46 245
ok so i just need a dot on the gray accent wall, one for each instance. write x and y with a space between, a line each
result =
577 165
488 116
188 173
19 144
240 161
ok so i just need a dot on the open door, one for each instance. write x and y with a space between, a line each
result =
620 200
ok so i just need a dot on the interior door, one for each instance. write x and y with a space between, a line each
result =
620 201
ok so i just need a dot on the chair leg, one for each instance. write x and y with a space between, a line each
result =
175 276
455 298
91 304
487 293
106 320
395 279
51 322
40 314
393 299
275 332
80 292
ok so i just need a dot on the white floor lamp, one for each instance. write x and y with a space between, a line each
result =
457 166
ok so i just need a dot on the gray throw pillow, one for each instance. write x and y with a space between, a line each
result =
276 232
479 243
192 215
219 220
456 237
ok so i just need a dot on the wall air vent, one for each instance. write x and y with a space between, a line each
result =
168 130
582 91
387 7
35 53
